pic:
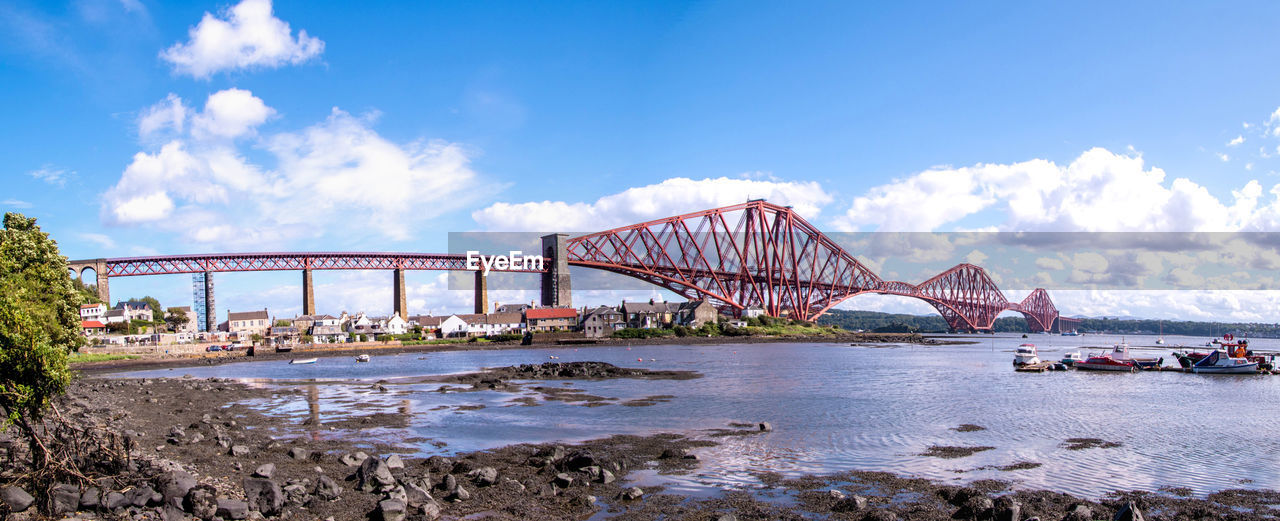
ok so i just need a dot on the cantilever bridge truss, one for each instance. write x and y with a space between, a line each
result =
754 254
759 254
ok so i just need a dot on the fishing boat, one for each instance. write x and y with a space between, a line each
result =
1121 352
1188 359
1070 333
1160 339
1104 362
362 358
303 361
1025 354
1235 348
1071 359
1221 362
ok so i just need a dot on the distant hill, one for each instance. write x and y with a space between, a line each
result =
891 322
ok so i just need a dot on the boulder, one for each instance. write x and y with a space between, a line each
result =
416 496
766 427
562 480
449 483
265 470
91 498
430 511
394 462
65 498
880 515
633 493
854 503
352 460
397 493
460 494
977 507
299 453
374 475
263 495
835 494
232 509
327 489
239 451
606 476
1128 512
391 510
1079 513
202 502
579 460
116 501
142 496
174 486
484 476
17 499
1007 509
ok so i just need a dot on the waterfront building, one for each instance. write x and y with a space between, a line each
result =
93 327
93 311
136 310
551 319
601 321
248 323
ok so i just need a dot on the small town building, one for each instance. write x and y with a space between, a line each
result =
115 316
248 323
192 325
136 310
92 311
328 334
93 327
551 319
695 313
647 315
601 322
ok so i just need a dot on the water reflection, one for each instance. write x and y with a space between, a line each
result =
837 407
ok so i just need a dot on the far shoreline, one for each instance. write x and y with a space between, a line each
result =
148 362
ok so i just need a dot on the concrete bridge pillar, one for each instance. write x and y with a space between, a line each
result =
308 294
401 303
482 293
555 281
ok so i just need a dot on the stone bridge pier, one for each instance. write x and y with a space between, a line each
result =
99 267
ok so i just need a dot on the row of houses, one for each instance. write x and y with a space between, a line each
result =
601 321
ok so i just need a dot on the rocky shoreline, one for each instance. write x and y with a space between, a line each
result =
186 448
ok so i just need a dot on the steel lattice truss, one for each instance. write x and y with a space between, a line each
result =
759 254
163 265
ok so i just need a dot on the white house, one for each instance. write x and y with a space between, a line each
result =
93 311
395 325
453 326
114 315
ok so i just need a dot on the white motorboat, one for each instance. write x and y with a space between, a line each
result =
1219 362
303 361
1026 355
1071 359
362 358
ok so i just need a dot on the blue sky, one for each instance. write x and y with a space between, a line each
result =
386 126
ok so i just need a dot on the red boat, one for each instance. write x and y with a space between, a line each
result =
1107 363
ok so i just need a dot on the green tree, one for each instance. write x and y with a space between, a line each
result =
176 318
256 338
156 311
39 327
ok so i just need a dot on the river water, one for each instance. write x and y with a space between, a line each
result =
837 407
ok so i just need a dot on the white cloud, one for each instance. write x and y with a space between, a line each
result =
1049 263
15 203
245 36
203 186
169 114
1223 157
99 239
1098 191
54 176
668 198
975 257
229 114
1238 140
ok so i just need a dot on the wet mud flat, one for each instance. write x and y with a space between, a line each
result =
197 449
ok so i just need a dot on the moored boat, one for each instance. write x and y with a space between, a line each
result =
1071 359
1025 354
362 358
303 361
1221 362
1107 363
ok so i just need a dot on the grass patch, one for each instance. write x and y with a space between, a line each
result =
84 358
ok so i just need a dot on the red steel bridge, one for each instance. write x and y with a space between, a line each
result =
754 254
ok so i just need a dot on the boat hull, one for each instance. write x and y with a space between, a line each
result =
1106 366
1249 368
300 362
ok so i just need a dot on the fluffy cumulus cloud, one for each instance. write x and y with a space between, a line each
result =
1098 191
200 182
670 197
248 35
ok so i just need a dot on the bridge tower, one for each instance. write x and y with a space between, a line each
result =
555 281
401 299
482 293
308 293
